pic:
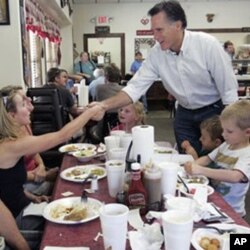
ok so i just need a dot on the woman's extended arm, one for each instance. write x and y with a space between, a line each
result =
12 150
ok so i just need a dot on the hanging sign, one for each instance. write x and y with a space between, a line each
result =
102 29
144 33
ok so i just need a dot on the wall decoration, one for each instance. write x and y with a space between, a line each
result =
4 12
144 20
144 45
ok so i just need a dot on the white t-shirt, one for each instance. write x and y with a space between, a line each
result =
225 158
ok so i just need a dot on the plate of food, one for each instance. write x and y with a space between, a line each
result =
192 189
71 210
163 154
202 238
73 147
195 179
164 150
79 173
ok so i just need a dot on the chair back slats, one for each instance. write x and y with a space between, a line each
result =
47 115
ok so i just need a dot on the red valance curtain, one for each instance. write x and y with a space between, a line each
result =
40 23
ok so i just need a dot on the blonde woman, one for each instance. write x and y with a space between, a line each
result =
14 145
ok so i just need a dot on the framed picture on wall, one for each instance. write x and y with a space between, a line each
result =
4 12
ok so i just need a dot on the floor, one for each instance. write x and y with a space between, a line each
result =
159 117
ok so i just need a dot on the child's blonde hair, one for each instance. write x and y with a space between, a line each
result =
239 112
139 112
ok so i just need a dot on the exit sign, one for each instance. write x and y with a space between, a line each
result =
102 19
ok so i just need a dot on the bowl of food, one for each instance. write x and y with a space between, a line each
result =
192 188
84 155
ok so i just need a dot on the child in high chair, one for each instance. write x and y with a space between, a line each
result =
211 137
232 158
130 116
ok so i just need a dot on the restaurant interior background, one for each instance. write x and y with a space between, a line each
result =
74 18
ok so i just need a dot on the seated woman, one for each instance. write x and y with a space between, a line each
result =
39 180
14 146
130 116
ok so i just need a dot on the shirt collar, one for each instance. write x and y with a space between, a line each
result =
183 46
185 42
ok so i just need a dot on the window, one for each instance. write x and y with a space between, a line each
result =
35 58
51 54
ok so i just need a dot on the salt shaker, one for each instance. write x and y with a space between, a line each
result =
94 183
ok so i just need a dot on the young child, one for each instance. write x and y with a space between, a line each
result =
130 116
231 157
211 137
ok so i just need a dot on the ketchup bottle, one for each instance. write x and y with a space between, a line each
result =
137 194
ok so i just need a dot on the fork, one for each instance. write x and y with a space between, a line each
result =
220 230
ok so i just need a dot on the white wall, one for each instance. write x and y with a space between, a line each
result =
10 49
229 14
11 69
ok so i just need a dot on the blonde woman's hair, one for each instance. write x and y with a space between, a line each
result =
139 112
9 130
239 112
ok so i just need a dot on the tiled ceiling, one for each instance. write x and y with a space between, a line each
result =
141 1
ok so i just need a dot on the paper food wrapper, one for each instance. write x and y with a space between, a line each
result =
143 143
148 238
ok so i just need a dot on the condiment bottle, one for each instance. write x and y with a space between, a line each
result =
137 194
152 184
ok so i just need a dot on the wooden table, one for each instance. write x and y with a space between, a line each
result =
83 234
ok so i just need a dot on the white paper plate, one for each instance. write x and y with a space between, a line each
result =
93 207
198 234
72 147
68 174
191 186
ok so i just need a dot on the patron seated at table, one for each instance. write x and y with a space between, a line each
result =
85 67
14 146
99 80
111 87
40 181
231 173
130 116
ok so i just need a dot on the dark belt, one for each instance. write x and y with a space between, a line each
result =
217 104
